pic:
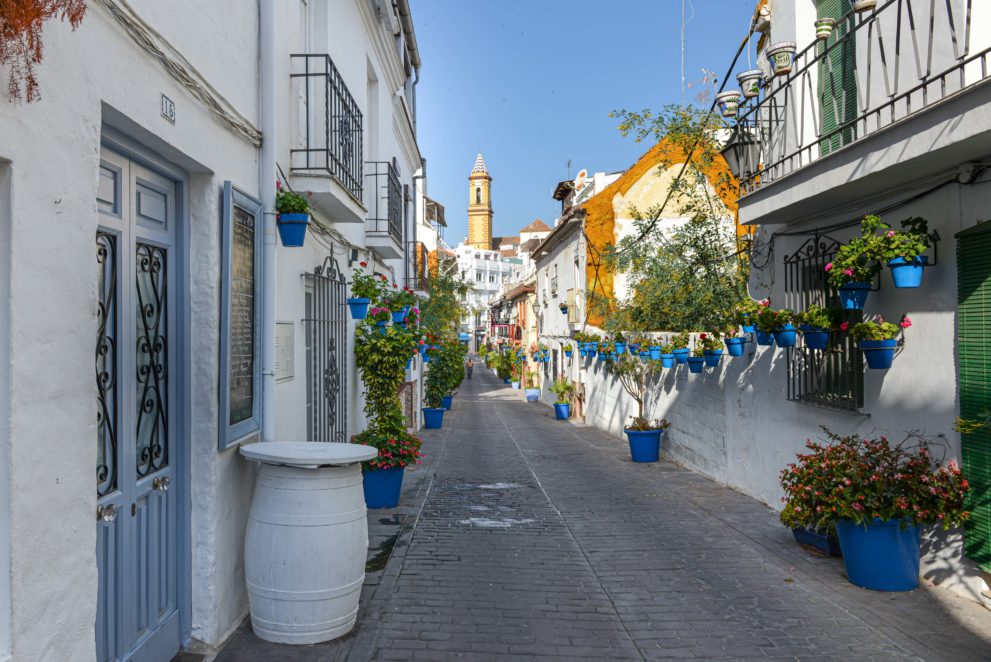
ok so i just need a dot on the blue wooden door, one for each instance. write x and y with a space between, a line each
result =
137 514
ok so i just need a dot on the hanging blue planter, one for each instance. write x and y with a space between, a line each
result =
433 417
711 357
735 346
695 364
426 357
423 350
749 328
398 316
667 360
382 487
880 556
644 354
381 326
655 352
359 307
591 352
815 338
786 336
681 355
645 445
582 352
292 229
634 348
547 358
446 401
879 353
562 412
854 295
621 348
908 273
764 338
568 353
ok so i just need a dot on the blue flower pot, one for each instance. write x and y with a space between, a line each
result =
582 353
433 417
446 401
409 363
786 336
562 412
382 487
711 357
735 346
505 380
655 352
824 542
645 355
593 347
764 338
749 328
667 360
381 326
908 273
426 357
645 445
633 348
681 355
879 353
621 348
591 353
292 229
880 556
568 353
359 307
815 338
423 350
695 364
547 358
532 394
398 316
854 295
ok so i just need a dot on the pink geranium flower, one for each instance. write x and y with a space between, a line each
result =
829 267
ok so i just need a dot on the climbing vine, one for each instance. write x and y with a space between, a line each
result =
21 47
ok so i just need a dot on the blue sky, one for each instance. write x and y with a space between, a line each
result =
530 84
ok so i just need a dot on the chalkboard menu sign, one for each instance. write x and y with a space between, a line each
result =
240 369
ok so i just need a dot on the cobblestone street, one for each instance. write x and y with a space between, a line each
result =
521 537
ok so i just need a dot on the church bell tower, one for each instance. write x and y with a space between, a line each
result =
480 206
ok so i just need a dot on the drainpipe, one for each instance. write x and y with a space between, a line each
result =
267 175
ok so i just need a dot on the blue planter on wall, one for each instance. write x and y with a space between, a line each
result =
446 401
645 445
854 295
568 353
359 307
711 357
562 412
880 556
381 326
749 328
433 417
735 346
908 273
880 354
621 348
398 316
786 336
695 364
654 351
815 338
681 355
292 229
667 360
764 338
382 487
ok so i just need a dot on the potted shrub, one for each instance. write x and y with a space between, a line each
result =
382 477
568 349
878 340
643 435
293 218
728 102
824 28
667 355
697 360
619 343
436 388
855 265
745 313
564 390
815 323
902 250
750 82
877 495
516 373
781 56
365 288
712 349
379 317
400 302
680 349
532 390
778 323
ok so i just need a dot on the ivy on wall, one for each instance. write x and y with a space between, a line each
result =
21 46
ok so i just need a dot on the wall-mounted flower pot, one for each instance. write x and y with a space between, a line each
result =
562 412
880 354
735 345
764 338
880 555
786 336
593 347
695 364
433 417
532 394
782 57
292 229
711 357
426 357
654 352
621 348
583 352
591 352
667 360
382 327
564 309
568 353
814 337
645 445
854 295
423 350
861 6
750 82
409 363
681 355
825 543
729 103
446 402
382 487
398 316
824 28
908 273
359 307
547 358
749 328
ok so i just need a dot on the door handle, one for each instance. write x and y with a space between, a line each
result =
107 513
161 484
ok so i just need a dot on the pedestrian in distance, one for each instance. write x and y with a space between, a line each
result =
469 366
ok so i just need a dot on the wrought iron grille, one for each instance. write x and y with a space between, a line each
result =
834 377
385 209
332 123
876 68
152 359
419 274
106 365
326 329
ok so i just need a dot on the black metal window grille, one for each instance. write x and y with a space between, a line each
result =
151 359
832 378
326 329
385 209
419 275
106 365
332 132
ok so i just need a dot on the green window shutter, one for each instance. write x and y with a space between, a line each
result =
974 357
837 82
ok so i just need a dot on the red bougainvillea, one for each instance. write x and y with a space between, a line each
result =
21 22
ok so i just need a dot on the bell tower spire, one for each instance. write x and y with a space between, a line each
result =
480 206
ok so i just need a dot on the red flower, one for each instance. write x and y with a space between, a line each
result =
362 264
703 336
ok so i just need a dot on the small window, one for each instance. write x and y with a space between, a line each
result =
492 278
478 276
478 195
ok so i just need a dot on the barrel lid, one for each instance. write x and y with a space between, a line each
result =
308 454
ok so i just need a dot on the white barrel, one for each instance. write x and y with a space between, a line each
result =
305 551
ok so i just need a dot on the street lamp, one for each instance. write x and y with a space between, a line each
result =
742 152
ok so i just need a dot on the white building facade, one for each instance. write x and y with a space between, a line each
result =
488 271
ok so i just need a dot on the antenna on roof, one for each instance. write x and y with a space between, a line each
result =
569 168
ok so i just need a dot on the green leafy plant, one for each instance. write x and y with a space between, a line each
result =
859 260
367 286
747 310
290 202
820 318
394 451
564 390
878 329
531 379
567 347
667 348
698 351
772 321
862 479
682 340
396 298
378 314
636 376
911 241
710 342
